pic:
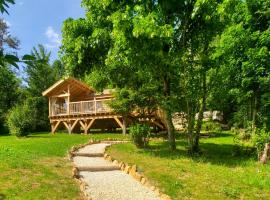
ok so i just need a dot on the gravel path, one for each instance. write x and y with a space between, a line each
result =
81 161
94 148
110 185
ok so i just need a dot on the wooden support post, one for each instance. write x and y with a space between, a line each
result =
95 104
74 124
50 112
54 127
68 101
81 111
158 124
118 122
124 129
83 125
87 127
68 126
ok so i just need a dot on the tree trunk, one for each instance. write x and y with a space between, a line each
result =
254 112
202 106
265 155
191 123
124 130
170 129
168 114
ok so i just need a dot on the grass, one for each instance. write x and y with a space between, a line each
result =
35 167
215 174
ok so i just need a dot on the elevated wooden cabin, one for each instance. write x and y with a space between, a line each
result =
79 108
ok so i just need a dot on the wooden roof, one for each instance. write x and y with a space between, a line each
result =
76 87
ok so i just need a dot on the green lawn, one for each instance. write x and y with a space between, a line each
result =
36 167
216 174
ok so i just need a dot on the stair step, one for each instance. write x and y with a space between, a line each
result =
88 154
98 168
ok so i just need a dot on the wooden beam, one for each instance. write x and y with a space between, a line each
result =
95 104
83 117
61 95
54 127
68 126
68 100
90 124
83 125
118 122
50 110
158 124
74 124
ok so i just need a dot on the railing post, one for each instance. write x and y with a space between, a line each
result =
82 111
68 101
95 103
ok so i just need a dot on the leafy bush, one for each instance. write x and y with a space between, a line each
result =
140 135
21 119
260 138
242 134
211 126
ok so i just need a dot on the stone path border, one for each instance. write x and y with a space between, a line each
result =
130 170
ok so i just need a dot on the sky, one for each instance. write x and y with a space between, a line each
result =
36 22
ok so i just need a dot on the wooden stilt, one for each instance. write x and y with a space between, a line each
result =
83 125
74 124
87 127
118 122
54 127
68 126
158 124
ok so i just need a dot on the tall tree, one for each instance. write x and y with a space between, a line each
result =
8 46
9 90
243 49
138 43
40 76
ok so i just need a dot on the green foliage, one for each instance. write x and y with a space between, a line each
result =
242 140
242 51
38 82
188 52
242 135
140 134
9 90
124 102
4 5
22 119
36 70
211 126
260 138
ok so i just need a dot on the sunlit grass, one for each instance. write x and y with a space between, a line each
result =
35 167
215 174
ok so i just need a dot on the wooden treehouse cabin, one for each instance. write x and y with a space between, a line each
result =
78 108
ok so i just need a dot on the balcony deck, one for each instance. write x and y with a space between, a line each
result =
93 107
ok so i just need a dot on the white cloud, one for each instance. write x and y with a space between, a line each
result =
53 37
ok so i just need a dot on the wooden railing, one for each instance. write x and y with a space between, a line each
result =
82 107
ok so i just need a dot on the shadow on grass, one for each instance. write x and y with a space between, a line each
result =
2 196
218 154
4 134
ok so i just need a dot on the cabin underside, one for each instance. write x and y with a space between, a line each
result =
84 123
87 123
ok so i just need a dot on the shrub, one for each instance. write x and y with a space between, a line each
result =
211 126
21 119
140 135
260 138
